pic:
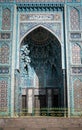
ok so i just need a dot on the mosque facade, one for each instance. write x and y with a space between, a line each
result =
40 57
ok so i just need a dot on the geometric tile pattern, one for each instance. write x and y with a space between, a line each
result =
77 70
39 0
4 70
74 19
78 0
78 95
74 0
4 54
3 95
76 58
69 0
6 20
4 35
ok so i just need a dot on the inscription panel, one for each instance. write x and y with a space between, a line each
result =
50 21
40 17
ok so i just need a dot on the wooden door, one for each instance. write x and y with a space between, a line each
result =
24 106
40 104
55 103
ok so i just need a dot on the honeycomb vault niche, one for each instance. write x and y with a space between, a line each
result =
41 72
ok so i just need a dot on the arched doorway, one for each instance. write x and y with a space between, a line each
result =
41 72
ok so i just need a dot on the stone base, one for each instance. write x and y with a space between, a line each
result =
9 128
40 123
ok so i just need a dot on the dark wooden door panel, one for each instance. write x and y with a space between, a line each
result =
40 104
24 106
55 101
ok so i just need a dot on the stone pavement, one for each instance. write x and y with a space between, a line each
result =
40 123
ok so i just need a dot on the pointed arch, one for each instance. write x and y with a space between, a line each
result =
44 27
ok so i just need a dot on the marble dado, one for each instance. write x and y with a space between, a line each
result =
40 17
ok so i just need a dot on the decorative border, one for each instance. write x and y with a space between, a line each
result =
39 7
